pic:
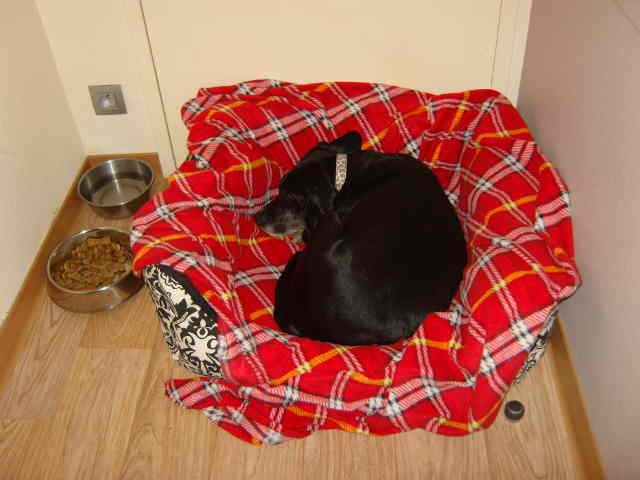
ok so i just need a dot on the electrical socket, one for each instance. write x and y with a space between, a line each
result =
107 99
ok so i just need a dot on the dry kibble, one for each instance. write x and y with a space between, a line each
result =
94 263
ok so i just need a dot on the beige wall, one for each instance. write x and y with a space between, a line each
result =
94 43
40 149
579 93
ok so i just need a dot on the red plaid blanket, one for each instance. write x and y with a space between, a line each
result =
452 374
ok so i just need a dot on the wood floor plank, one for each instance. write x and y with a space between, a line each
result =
126 389
536 440
15 437
337 454
37 380
425 455
132 327
88 435
147 456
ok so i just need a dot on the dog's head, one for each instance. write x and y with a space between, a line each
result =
306 193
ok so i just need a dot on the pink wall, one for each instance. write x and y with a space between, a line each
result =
580 93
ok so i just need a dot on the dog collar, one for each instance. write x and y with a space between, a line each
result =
341 170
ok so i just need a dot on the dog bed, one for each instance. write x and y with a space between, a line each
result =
212 272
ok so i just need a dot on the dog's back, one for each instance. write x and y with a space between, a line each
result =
388 252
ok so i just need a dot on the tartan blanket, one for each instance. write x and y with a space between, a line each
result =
450 377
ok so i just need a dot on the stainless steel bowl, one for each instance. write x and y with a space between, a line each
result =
116 188
86 301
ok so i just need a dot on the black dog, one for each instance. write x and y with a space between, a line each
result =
382 252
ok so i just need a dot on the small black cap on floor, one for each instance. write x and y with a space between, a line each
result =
514 410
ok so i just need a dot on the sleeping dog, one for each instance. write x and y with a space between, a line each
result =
384 246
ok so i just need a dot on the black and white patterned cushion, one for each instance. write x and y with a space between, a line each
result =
188 322
535 354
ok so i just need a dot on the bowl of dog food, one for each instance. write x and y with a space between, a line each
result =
116 188
91 271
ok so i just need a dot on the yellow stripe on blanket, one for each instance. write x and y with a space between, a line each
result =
221 108
308 366
224 295
436 154
260 313
505 207
241 167
544 166
460 111
383 133
219 238
319 89
514 276
180 175
359 377
509 206
473 159
322 87
441 345
470 426
343 425
249 166
501 134
454 123
267 100
559 252
208 294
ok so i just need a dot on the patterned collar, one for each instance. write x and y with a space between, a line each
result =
341 170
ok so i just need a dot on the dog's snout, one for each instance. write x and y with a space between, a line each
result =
281 217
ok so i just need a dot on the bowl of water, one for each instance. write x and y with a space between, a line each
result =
116 188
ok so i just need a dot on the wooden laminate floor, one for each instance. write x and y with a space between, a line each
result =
84 399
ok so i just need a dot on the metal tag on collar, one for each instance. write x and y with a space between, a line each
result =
341 170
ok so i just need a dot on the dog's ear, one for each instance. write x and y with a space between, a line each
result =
319 198
317 204
347 143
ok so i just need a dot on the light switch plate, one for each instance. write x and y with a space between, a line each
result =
107 99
